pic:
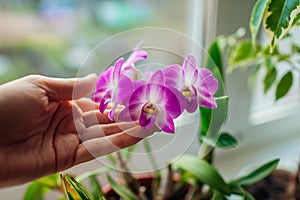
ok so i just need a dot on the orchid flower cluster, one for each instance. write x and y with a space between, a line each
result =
158 98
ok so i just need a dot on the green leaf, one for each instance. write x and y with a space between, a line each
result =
284 85
35 191
215 59
203 172
112 159
278 20
51 181
70 196
218 116
235 188
242 55
96 190
40 187
238 190
297 19
226 141
258 174
71 186
218 196
248 196
121 190
269 79
256 18
215 65
205 118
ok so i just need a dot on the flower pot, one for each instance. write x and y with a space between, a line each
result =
147 181
279 185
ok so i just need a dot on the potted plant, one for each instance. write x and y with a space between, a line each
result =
191 176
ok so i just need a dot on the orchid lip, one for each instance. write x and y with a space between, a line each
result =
188 92
150 108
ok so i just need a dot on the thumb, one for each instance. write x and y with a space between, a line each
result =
71 88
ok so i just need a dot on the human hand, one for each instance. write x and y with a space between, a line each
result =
44 131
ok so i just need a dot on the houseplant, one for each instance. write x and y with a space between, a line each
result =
198 176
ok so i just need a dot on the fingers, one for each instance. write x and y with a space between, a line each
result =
92 115
97 147
95 117
67 89
98 131
86 104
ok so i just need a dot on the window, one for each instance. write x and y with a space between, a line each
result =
53 38
265 129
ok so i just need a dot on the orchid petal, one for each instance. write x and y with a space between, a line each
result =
104 77
189 62
136 55
103 104
192 104
157 77
173 76
189 67
146 121
125 88
169 126
208 80
125 115
207 100
175 102
117 69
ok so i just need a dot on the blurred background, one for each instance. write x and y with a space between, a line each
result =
53 37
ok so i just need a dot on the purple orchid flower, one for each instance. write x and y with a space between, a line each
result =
153 104
128 67
112 87
197 84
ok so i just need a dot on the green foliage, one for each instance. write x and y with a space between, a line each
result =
218 196
96 190
214 62
242 54
121 190
296 20
202 171
258 174
39 188
205 118
35 191
279 18
226 141
270 79
284 85
74 189
256 18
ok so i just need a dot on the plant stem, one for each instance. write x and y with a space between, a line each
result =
127 177
169 185
206 152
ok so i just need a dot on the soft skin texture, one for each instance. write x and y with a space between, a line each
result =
41 128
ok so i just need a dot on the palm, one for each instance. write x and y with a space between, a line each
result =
49 145
40 127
